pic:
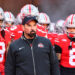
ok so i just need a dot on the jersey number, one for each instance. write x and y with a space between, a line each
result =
2 50
72 57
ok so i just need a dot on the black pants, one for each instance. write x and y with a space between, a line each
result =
67 71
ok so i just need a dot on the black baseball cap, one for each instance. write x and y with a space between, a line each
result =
27 19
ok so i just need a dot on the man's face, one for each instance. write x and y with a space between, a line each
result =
71 30
1 21
45 25
9 24
30 29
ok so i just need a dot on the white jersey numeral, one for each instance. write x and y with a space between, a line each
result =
13 28
72 57
2 50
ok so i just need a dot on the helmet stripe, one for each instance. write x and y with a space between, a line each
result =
30 9
72 19
9 14
45 17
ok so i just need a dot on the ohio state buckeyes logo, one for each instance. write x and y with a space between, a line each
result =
40 45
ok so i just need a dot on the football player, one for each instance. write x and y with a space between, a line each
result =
4 42
43 27
65 47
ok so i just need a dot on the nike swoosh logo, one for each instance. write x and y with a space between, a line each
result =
21 48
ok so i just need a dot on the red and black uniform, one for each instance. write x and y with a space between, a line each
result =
2 54
52 37
66 47
41 31
4 40
16 31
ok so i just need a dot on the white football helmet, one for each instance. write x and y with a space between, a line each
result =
19 18
29 9
60 26
9 17
1 14
70 23
43 18
52 28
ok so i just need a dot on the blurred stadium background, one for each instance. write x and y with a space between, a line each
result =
56 9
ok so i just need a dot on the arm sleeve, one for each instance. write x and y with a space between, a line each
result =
57 49
54 64
10 63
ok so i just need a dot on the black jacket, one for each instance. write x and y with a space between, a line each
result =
38 59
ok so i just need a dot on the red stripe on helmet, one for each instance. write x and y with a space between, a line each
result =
10 14
30 9
19 15
45 17
72 19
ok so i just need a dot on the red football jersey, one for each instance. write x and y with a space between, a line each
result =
2 53
7 36
67 54
3 45
51 37
41 31
16 31
43 28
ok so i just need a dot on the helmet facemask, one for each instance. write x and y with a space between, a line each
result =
70 26
70 32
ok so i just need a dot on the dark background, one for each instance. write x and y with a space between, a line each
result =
56 9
